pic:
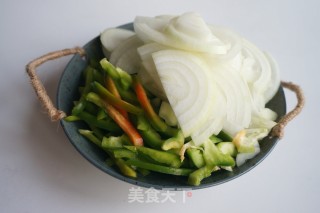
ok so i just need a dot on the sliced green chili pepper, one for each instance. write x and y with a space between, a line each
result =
214 157
215 139
225 136
109 125
89 135
113 100
114 142
149 135
196 157
125 78
72 118
176 142
162 157
123 153
197 176
109 69
125 168
159 168
102 114
82 103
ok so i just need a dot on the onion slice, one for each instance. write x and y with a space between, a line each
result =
188 83
125 55
112 37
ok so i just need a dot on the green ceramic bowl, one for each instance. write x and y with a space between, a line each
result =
68 92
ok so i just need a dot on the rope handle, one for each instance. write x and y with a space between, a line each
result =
55 114
41 92
278 130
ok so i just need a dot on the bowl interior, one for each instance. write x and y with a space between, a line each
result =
68 92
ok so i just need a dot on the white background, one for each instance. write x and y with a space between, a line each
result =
40 171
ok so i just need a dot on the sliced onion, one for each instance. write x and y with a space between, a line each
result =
259 72
148 70
237 96
274 82
148 74
230 39
213 78
112 37
125 55
149 29
187 82
176 33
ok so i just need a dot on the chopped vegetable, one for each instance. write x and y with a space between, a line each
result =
196 156
245 140
125 125
214 157
115 142
197 176
125 169
159 168
176 142
162 157
150 136
110 98
111 86
89 135
112 38
228 148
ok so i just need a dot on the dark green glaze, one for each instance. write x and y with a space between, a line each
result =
68 92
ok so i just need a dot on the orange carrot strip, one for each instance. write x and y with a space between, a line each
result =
125 125
146 105
111 86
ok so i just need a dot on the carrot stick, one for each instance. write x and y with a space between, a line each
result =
146 105
111 86
125 125
115 115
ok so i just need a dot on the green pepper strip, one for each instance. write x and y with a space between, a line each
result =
125 78
224 136
149 135
127 95
123 153
196 156
121 164
103 124
102 114
159 168
175 142
82 102
114 142
162 157
109 69
72 118
97 76
215 139
113 100
214 157
125 168
89 135
197 176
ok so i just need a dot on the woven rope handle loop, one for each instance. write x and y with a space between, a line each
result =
278 130
41 92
